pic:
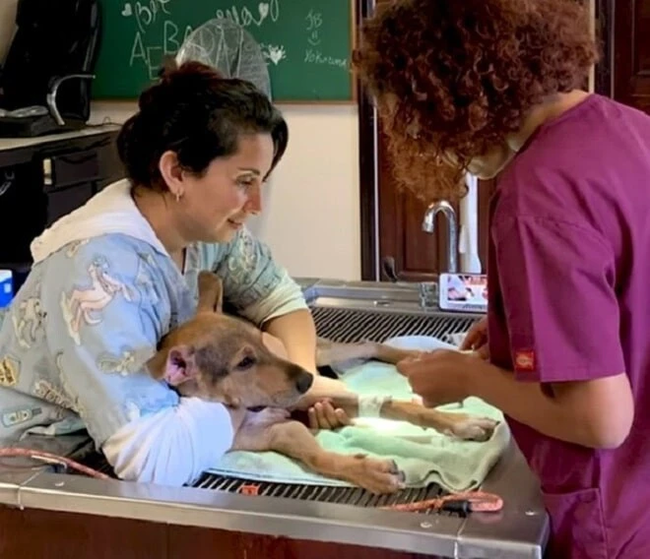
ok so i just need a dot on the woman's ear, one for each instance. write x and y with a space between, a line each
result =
172 173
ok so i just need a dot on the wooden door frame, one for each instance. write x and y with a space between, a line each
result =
604 74
368 148
368 172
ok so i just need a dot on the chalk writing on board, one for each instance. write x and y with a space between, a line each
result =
146 13
150 46
314 55
314 22
157 33
151 53
245 17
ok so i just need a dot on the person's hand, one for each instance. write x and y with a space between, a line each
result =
323 415
440 377
477 339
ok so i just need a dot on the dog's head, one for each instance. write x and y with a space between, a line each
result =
223 359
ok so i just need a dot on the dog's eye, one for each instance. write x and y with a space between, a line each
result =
246 363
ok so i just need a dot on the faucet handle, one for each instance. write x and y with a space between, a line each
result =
428 292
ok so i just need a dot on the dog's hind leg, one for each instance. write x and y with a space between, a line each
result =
332 353
269 431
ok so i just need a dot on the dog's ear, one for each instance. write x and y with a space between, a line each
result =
210 293
156 365
175 365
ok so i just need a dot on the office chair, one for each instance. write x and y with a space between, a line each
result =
45 82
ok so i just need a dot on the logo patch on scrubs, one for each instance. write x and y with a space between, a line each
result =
525 361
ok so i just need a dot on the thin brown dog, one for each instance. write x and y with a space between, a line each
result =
220 358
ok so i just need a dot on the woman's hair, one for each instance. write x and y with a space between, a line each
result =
196 113
454 77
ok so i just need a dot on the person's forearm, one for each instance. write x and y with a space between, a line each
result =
174 445
526 403
296 330
327 389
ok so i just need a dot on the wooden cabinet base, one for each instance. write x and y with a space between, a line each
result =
37 534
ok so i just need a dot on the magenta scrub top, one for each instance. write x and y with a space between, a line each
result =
569 300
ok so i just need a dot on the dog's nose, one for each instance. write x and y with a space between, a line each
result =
304 382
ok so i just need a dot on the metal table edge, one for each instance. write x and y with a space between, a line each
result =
306 520
10 484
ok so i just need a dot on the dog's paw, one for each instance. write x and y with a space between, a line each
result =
471 428
377 476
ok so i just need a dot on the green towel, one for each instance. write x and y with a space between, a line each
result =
431 457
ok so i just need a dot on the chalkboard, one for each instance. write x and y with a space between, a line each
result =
306 43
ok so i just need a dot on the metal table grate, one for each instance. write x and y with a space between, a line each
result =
351 325
347 326
339 495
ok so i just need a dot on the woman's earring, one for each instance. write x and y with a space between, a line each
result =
178 197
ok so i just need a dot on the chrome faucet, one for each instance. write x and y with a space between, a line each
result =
429 226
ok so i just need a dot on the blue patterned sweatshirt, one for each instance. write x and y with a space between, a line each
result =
101 294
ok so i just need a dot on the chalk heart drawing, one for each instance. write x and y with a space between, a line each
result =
263 7
127 10
276 54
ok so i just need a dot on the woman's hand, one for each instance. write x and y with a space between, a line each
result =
477 339
323 415
321 412
440 377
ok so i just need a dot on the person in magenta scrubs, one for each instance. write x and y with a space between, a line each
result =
494 87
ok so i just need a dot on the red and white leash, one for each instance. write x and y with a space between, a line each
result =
49 458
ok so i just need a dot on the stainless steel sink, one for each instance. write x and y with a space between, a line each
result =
395 298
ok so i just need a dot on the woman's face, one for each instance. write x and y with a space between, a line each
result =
486 166
215 206
492 163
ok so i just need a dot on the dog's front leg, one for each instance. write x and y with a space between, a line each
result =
253 432
460 425
270 430
463 426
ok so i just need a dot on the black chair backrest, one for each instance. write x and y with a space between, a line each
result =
54 38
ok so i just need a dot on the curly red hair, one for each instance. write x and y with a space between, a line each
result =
454 77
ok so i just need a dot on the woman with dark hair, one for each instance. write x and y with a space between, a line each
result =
493 87
113 277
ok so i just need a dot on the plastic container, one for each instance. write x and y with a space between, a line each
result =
6 288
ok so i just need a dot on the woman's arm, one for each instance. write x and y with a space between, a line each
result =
562 324
262 291
296 330
100 334
595 413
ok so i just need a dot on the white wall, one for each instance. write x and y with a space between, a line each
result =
7 18
311 218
